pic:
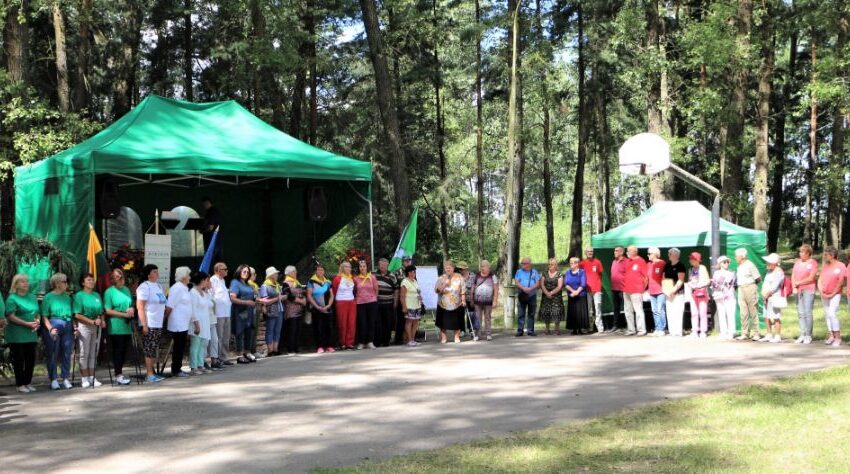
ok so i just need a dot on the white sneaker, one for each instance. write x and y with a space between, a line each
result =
121 380
54 385
693 334
799 340
31 388
85 383
807 340
67 384
776 338
489 338
630 333
835 343
360 347
96 382
370 346
766 338
23 389
703 336
475 338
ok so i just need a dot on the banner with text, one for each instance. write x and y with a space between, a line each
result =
158 252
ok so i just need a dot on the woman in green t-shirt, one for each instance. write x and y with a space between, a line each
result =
22 332
88 311
120 312
58 319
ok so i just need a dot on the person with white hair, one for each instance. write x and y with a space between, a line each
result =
723 292
657 298
747 276
485 295
178 310
674 287
296 308
634 284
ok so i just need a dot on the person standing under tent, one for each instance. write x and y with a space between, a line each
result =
387 303
259 314
199 324
22 313
178 310
118 305
485 296
473 324
552 301
723 292
321 300
593 271
88 312
657 298
411 304
634 284
271 297
212 221
803 280
401 317
774 300
747 276
575 285
57 312
220 343
698 282
527 280
242 312
674 287
150 306
830 284
345 305
618 274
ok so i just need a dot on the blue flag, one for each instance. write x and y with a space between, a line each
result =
208 255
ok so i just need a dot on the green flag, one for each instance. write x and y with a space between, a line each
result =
407 244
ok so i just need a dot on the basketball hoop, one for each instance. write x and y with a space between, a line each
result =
644 153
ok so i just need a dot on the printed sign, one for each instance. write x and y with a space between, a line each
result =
158 252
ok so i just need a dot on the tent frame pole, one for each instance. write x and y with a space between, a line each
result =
715 207
371 230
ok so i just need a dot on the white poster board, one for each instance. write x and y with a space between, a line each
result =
427 278
158 252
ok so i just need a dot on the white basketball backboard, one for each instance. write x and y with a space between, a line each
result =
644 153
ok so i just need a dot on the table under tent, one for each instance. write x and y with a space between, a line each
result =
167 153
685 225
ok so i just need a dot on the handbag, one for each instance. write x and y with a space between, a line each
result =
778 301
699 292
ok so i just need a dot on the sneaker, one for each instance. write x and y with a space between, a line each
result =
68 385
227 362
519 334
643 333
95 382
122 380
489 338
776 338
242 360
370 346
532 334
807 340
411 344
250 357
703 335
766 338
320 351
153 378
32 389
54 385
475 338
359 347
799 340
23 389
630 333
829 341
756 337
85 383
835 343
741 338
330 350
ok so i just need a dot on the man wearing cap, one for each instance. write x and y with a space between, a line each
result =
593 274
747 276
388 288
401 318
634 284
469 282
618 272
527 280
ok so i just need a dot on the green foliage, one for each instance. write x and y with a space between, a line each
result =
32 250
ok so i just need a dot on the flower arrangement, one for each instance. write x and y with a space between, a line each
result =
128 259
354 256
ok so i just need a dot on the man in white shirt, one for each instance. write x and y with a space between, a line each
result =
221 298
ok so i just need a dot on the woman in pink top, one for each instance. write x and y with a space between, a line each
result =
803 278
830 285
366 296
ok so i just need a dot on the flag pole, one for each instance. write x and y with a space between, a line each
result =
371 230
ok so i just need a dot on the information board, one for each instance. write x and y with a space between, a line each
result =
158 252
427 278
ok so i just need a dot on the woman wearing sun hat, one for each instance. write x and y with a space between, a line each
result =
270 297
723 292
774 301
698 281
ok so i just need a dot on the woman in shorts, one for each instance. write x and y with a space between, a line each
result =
411 305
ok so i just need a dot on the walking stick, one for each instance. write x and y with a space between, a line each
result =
93 354
74 356
108 361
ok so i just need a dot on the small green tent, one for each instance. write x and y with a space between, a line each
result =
166 153
682 224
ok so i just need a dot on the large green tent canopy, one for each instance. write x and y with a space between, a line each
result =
166 153
682 224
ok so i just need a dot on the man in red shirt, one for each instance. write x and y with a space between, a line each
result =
593 271
634 284
618 272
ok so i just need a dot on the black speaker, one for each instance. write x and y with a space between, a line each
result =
317 204
109 202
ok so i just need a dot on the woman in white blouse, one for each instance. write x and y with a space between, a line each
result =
179 312
199 324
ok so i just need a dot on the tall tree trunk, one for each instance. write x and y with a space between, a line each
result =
512 223
63 89
479 134
188 52
733 181
808 231
762 158
660 184
387 107
313 69
441 138
124 83
159 58
836 160
81 91
603 168
583 139
16 44
776 191
297 100
266 88
547 142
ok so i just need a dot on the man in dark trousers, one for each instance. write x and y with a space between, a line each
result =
212 219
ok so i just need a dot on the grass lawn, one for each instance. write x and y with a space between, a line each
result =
797 424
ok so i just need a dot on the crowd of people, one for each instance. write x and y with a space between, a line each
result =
204 317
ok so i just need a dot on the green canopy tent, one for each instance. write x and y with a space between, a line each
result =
167 153
682 224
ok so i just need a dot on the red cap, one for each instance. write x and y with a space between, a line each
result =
695 256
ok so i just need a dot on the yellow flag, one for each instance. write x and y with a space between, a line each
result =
94 249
